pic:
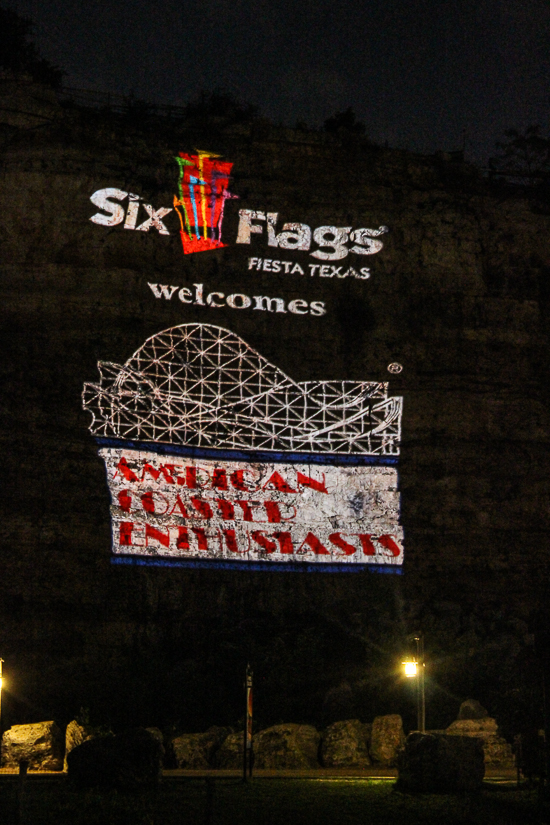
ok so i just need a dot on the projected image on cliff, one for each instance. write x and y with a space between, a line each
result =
202 192
214 456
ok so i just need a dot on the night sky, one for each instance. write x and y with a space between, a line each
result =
416 73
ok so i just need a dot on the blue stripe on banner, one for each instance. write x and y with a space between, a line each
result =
279 567
264 456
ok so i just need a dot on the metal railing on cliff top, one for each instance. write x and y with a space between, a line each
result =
122 104
116 102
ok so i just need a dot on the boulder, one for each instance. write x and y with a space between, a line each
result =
157 733
435 763
229 756
387 739
497 751
39 744
196 750
128 761
481 728
93 762
345 745
75 735
472 709
288 746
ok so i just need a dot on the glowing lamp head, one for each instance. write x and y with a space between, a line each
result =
410 669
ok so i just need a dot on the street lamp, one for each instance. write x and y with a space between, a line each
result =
248 755
414 669
410 669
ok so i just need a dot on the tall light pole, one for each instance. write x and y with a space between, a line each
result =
415 669
421 700
248 756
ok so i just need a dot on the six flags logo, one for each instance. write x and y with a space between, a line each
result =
202 189
200 205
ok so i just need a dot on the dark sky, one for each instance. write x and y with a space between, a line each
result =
416 72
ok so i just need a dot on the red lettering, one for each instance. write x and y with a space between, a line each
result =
389 544
219 479
167 470
314 544
273 512
181 506
125 534
202 507
339 542
246 507
266 545
285 542
193 482
289 507
148 502
153 533
147 468
307 481
279 483
124 500
231 540
128 474
226 509
201 537
182 541
368 547
237 480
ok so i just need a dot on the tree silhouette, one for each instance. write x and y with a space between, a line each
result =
523 155
221 105
343 123
18 54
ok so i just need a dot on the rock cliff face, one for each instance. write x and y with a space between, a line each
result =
458 296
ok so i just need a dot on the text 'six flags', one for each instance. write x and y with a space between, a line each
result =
200 204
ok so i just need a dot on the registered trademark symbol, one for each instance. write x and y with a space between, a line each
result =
395 367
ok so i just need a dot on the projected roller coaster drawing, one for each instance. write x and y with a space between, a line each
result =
201 385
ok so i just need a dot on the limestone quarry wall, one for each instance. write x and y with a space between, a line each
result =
458 296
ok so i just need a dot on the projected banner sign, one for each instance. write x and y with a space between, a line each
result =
213 454
216 509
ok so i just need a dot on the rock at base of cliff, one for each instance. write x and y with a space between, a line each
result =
39 744
497 751
289 746
480 728
128 761
435 763
387 740
230 754
346 745
472 709
193 751
158 735
76 734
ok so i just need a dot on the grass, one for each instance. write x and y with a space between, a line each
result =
266 802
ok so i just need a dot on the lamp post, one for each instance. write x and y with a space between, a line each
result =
248 756
415 669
